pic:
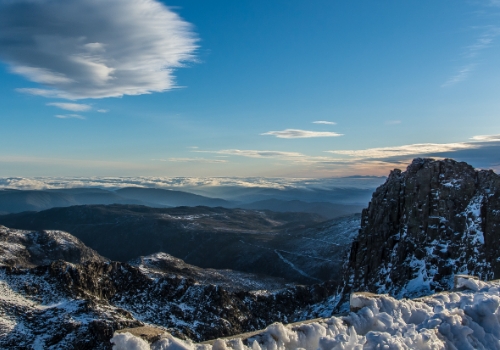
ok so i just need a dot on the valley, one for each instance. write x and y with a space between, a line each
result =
299 247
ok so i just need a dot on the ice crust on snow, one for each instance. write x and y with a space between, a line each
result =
462 319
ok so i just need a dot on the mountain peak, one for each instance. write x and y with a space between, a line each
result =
436 219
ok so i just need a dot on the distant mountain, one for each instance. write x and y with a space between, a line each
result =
298 247
340 195
170 197
16 201
326 209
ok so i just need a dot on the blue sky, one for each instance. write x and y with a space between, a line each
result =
246 88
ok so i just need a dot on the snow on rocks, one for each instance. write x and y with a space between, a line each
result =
23 248
425 225
468 318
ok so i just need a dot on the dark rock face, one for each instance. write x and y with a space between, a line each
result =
437 219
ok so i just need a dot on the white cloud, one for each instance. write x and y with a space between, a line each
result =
69 116
486 138
324 122
405 150
257 154
41 75
103 110
296 133
75 107
92 48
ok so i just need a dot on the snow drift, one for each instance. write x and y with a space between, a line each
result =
468 318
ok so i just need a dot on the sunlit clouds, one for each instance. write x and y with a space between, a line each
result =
75 107
405 150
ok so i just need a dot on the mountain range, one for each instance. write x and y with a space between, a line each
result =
321 202
422 229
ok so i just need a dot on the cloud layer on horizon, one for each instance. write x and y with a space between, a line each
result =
94 49
188 183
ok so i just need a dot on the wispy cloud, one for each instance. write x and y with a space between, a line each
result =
103 110
461 75
194 160
393 122
75 107
256 153
324 122
122 47
69 116
471 52
298 134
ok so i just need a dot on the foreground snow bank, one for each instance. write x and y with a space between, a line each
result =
468 319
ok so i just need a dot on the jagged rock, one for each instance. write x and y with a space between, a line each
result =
161 263
437 219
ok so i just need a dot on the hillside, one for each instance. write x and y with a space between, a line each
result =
78 305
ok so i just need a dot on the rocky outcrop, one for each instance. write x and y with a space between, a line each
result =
436 219
31 248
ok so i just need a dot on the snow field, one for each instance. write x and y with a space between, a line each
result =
466 319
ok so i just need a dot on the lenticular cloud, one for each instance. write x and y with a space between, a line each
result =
92 48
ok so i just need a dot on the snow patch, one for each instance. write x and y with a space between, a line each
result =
467 319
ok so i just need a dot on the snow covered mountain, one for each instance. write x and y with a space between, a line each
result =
437 219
